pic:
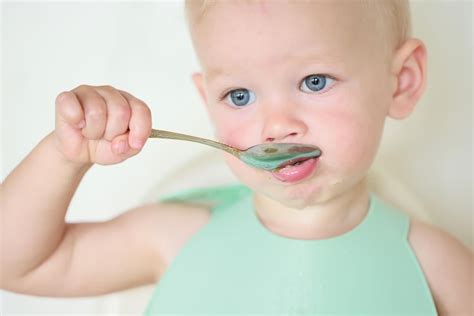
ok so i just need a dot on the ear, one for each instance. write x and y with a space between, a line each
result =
199 84
409 74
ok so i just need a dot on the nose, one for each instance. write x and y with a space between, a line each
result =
282 127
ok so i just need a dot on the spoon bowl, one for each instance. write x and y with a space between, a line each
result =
272 156
267 156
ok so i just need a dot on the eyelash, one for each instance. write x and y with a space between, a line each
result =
226 94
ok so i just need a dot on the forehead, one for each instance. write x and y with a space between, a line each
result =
266 33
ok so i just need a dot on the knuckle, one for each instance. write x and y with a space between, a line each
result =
96 112
107 87
143 105
123 92
82 87
122 112
63 97
147 110
144 109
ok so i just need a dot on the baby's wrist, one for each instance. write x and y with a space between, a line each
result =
54 147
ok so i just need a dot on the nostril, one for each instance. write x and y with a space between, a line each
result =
271 139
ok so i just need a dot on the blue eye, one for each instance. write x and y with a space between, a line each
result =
315 83
240 97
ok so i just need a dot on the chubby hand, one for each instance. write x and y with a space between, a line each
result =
100 124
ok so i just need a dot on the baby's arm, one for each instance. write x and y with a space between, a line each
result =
449 268
38 247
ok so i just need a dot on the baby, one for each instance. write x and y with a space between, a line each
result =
307 239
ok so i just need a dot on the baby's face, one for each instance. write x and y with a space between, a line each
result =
306 72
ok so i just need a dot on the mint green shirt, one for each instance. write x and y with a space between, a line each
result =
234 265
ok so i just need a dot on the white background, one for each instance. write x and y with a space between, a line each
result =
144 48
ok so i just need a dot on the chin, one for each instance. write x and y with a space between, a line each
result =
297 196
294 204
300 195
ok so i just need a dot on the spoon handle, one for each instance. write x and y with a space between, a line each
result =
157 133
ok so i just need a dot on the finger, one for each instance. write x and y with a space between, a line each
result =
140 121
69 110
118 112
95 112
120 146
69 120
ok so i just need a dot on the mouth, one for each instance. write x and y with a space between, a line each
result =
296 170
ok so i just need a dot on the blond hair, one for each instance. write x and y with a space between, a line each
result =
392 15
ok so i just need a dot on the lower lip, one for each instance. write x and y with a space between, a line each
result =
296 173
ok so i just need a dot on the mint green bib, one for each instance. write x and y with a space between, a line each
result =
234 265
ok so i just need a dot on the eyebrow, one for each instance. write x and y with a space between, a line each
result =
315 57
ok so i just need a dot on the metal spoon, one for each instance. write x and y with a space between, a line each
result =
272 156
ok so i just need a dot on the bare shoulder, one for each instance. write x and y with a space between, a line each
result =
448 267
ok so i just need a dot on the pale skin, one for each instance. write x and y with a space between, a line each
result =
367 88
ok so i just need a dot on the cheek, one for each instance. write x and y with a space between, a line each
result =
235 130
350 140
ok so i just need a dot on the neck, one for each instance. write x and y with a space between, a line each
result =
324 220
